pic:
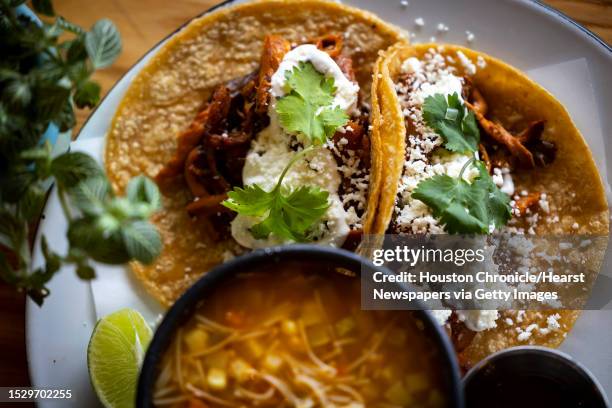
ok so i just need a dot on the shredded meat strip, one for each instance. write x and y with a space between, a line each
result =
186 142
532 133
274 49
527 202
503 137
205 206
484 156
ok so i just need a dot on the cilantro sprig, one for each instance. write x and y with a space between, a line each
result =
307 109
45 72
289 214
447 116
463 207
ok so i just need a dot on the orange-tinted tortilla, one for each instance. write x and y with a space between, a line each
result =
166 95
572 183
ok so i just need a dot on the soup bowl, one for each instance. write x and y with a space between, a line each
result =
316 257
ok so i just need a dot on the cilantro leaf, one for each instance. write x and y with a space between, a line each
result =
307 109
462 207
498 203
251 200
288 213
448 118
292 215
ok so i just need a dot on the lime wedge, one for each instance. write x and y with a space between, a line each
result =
114 356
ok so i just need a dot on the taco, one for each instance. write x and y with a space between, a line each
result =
254 120
451 114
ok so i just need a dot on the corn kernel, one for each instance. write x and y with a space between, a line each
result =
273 362
217 379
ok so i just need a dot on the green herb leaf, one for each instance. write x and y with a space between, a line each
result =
90 195
76 50
65 119
447 117
142 241
68 26
43 7
103 43
462 207
72 167
102 246
307 109
49 100
85 271
288 214
17 93
251 200
142 189
497 203
52 260
292 215
30 205
87 95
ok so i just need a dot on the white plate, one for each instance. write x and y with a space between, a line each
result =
526 34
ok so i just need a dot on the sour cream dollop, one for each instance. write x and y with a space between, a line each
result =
346 91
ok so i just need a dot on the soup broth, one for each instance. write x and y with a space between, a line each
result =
295 336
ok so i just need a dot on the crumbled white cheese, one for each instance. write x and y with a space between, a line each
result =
346 91
404 3
441 315
469 36
507 186
480 62
442 28
429 76
419 21
467 64
411 65
478 320
543 203
552 321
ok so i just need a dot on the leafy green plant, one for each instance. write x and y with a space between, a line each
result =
45 71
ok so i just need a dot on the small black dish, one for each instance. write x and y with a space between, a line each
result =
532 376
326 256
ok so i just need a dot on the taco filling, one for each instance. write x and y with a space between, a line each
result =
448 133
459 166
282 154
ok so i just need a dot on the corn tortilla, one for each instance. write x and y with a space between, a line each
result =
165 96
573 185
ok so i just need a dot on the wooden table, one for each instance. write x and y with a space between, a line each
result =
142 24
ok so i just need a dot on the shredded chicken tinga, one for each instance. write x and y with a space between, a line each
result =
211 152
294 337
